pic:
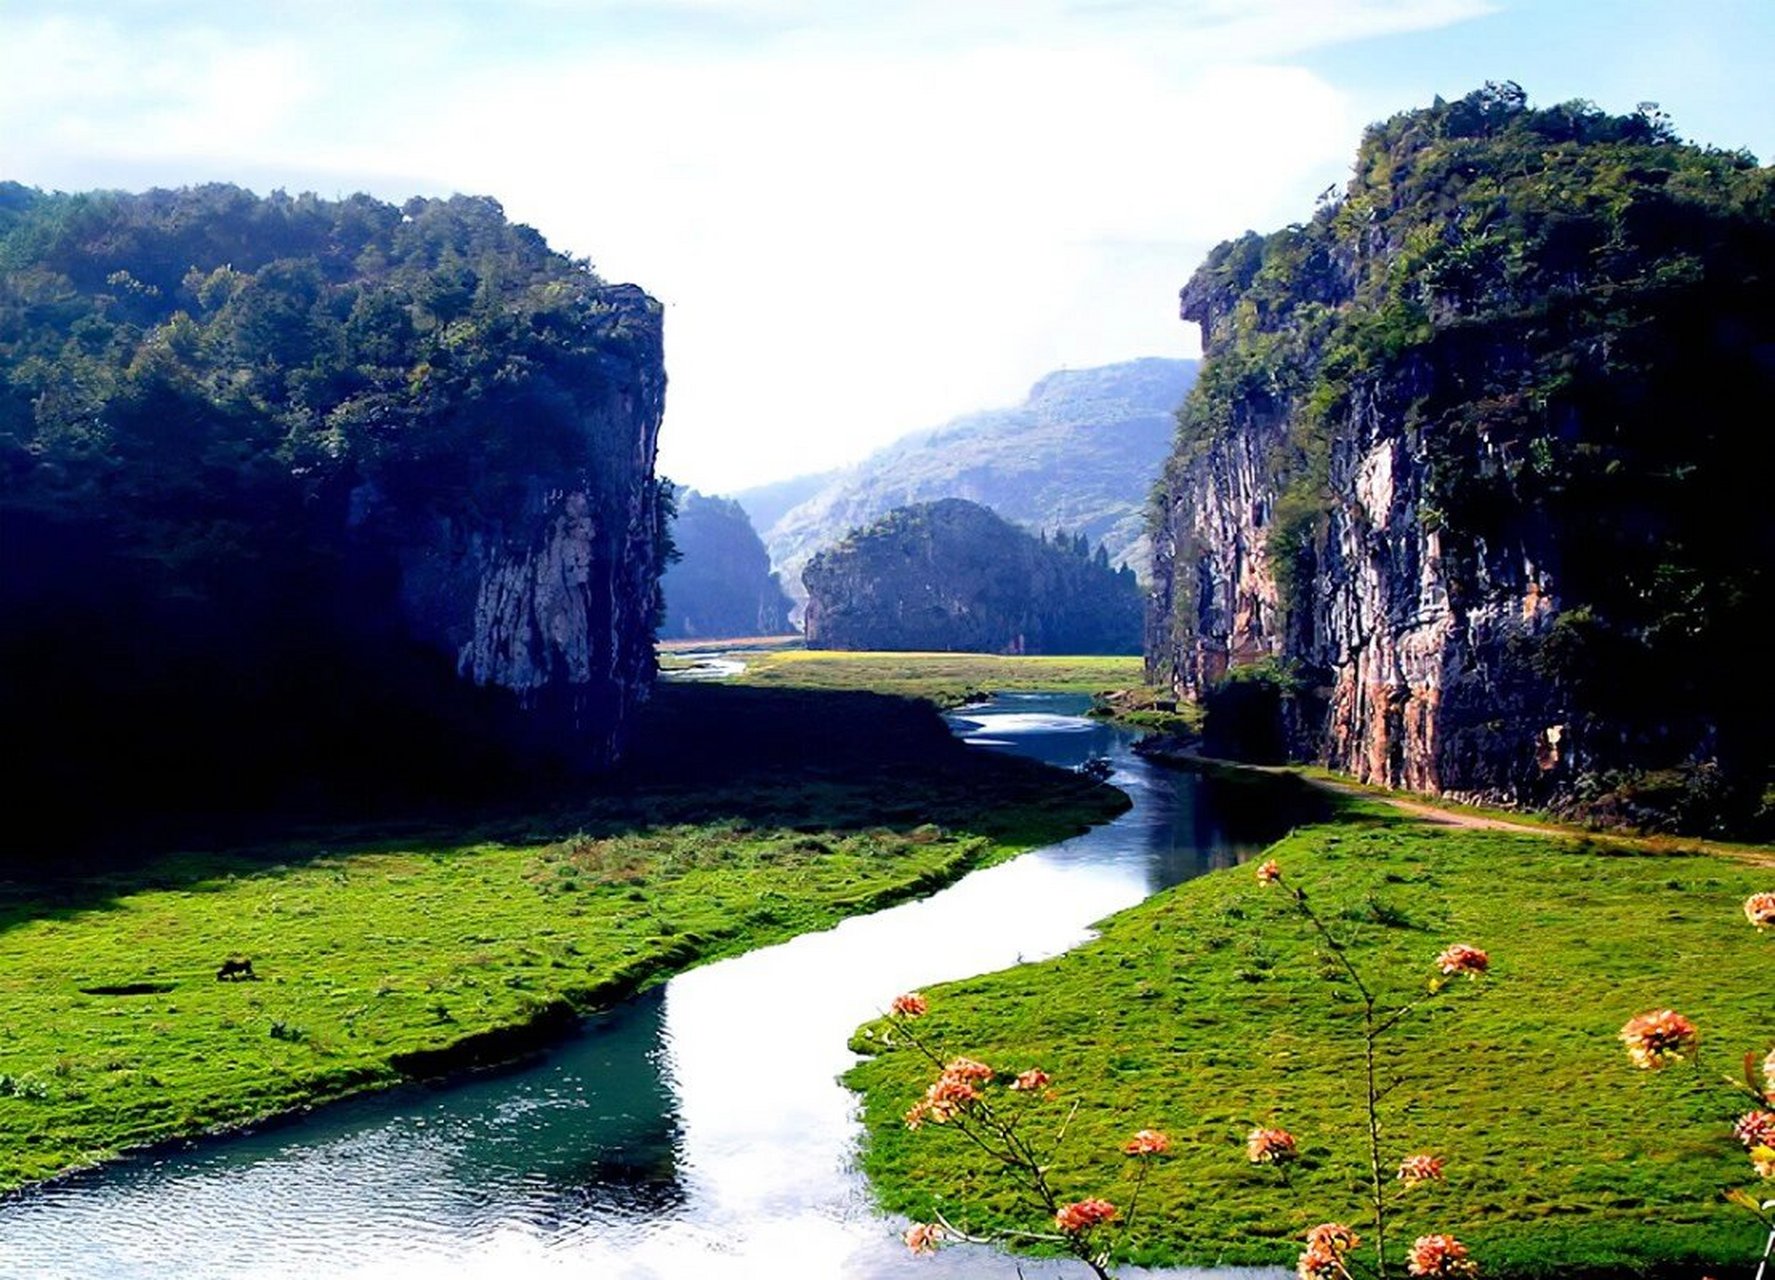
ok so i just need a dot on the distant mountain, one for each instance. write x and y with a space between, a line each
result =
721 585
1080 454
769 503
951 575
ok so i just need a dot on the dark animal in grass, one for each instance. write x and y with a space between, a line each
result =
236 969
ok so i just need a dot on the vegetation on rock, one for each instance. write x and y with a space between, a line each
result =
953 575
1468 453
282 478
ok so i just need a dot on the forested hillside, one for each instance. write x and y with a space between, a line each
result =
952 575
304 499
1473 473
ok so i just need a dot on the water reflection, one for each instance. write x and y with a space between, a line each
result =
698 1131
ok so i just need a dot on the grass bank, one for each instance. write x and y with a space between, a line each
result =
947 679
1206 1012
743 818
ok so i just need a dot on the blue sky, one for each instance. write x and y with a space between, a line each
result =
864 216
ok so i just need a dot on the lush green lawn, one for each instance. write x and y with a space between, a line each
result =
1207 1012
745 817
948 679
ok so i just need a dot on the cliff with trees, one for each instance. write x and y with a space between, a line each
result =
1470 479
952 575
308 499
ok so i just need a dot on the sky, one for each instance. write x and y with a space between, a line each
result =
864 217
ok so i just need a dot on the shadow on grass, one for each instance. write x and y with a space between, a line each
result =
701 754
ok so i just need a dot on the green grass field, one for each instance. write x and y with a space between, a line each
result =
745 817
948 679
1206 1012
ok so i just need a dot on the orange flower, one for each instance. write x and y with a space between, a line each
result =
1439 1256
1326 1245
924 1237
1759 909
1333 1236
1269 873
911 1005
1270 1146
1416 1169
1755 1129
944 1100
967 1070
1762 1159
1659 1038
1461 958
1769 1076
1148 1142
1034 1078
1082 1215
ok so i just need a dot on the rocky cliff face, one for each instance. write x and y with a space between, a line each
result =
555 599
1460 471
951 575
721 584
316 503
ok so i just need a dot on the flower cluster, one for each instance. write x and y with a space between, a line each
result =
1081 1215
952 1094
1461 958
1762 1159
1759 909
910 1005
924 1237
1031 1080
1659 1038
1148 1142
1323 1257
1439 1256
1270 1146
1270 872
1416 1169
1755 1129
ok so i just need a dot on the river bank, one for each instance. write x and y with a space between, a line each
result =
699 1129
739 823
1205 1012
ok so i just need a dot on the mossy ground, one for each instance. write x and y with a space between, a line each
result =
1209 1011
746 816
948 679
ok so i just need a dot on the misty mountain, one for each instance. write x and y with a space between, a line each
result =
1080 454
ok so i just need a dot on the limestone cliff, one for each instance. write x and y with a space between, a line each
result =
315 502
1462 470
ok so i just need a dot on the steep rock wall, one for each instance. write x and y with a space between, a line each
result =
1461 474
556 599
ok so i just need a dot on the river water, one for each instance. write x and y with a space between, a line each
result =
696 1131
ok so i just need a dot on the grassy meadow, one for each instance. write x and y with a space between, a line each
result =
948 679
744 817
1210 1010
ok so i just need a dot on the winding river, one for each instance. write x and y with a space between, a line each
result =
696 1131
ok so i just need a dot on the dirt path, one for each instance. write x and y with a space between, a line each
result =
1429 812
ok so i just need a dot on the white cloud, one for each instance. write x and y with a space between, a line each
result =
864 221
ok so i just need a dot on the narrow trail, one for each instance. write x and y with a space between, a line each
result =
1430 812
